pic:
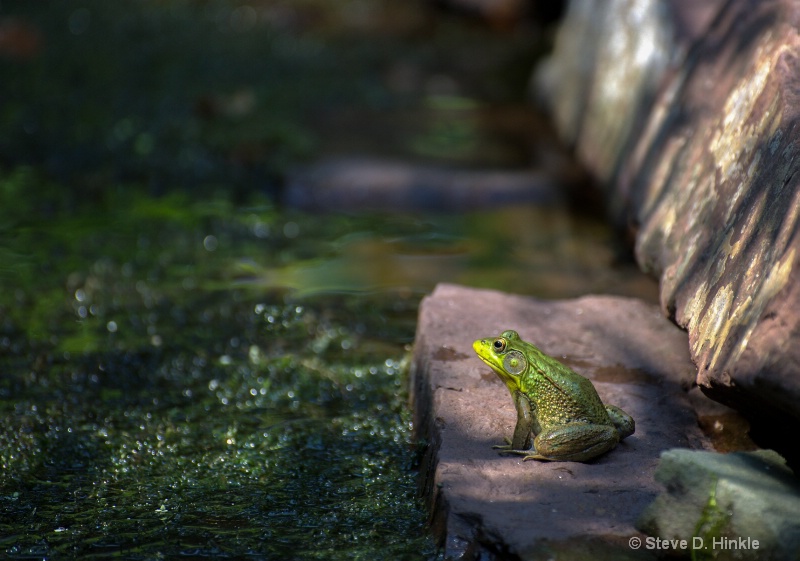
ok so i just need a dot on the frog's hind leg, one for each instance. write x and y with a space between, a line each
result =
574 442
624 422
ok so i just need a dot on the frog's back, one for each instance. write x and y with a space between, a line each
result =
562 395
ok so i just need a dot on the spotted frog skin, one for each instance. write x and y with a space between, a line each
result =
558 410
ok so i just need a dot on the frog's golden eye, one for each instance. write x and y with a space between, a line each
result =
515 362
499 345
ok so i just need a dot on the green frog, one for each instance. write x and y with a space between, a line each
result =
557 408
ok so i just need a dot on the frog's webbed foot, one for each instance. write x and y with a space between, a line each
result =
530 456
508 448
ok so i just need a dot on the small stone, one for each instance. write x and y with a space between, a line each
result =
744 505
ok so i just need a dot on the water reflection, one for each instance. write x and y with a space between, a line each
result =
528 249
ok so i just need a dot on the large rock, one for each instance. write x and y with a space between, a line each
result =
484 503
698 144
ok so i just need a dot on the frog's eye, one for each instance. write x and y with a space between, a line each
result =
499 345
515 362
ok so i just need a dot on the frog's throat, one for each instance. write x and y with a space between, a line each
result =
507 379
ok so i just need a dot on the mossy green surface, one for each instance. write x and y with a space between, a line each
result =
152 405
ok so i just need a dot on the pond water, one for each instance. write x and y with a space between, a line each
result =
189 368
204 379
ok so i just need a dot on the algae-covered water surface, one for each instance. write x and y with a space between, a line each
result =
187 366
153 403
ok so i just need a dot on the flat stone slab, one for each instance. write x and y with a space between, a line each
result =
482 502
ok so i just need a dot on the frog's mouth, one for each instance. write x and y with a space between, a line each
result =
485 360
490 364
502 374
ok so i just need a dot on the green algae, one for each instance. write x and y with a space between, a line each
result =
151 405
709 526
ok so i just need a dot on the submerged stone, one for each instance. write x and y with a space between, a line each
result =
349 184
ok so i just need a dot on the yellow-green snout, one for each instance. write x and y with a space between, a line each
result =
486 352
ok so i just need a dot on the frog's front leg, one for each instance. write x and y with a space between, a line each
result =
574 442
525 429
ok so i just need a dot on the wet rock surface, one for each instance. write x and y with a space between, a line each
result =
702 164
744 505
484 503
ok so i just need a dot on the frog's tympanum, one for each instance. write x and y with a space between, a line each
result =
557 408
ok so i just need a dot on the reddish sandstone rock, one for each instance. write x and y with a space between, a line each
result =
481 501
